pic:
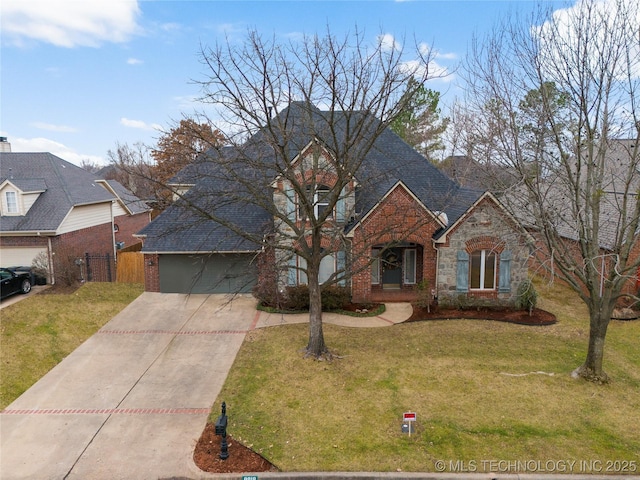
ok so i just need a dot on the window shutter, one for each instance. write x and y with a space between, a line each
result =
291 204
341 263
341 206
504 282
291 273
462 272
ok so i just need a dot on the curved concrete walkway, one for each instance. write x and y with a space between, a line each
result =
132 401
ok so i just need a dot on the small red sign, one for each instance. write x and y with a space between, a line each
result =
409 417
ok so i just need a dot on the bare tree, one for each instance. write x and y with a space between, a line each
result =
300 118
556 98
132 167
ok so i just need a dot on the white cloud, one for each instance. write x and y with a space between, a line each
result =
388 42
69 23
435 70
40 144
134 61
447 56
139 124
561 34
54 128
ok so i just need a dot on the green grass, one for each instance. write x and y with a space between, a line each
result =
345 415
38 332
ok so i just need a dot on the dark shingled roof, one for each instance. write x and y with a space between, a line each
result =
133 203
64 186
388 161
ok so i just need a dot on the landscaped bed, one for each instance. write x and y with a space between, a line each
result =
522 317
481 390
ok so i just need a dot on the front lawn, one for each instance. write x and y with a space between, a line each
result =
483 391
38 332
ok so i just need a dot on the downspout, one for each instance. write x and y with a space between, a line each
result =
113 233
436 286
50 257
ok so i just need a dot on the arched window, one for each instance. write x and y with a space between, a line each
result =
482 270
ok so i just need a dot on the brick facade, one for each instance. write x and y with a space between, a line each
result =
540 264
128 225
151 272
399 218
66 248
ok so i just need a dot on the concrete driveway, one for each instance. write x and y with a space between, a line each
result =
132 401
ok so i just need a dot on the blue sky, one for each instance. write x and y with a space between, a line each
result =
77 77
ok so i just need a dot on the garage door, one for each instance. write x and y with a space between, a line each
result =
217 273
19 256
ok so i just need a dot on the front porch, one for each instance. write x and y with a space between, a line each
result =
379 295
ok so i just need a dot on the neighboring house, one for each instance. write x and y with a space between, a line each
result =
618 197
401 222
481 176
130 214
61 215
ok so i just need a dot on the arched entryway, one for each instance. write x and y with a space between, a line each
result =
395 271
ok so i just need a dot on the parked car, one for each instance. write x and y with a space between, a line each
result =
35 278
14 282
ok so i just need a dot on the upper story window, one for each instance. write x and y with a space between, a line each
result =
483 270
11 202
320 199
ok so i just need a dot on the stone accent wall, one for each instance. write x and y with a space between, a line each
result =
484 228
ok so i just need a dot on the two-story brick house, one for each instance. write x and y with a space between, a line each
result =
395 222
59 213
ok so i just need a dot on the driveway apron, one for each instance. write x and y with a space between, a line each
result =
133 399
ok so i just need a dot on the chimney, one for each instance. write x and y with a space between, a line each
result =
4 145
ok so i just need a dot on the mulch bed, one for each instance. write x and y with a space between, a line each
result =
538 317
241 459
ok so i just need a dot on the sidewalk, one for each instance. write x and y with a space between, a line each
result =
394 313
132 401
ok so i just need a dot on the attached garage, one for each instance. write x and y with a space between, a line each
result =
20 256
214 273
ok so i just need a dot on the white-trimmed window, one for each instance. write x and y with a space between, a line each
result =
11 202
320 199
327 268
375 266
409 266
483 270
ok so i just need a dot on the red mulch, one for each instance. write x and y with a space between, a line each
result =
241 459
521 317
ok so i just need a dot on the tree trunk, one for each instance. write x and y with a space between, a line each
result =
591 369
316 346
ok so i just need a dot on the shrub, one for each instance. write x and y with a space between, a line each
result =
268 294
527 296
335 297
40 266
297 298
424 294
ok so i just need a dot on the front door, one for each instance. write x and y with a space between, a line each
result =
392 269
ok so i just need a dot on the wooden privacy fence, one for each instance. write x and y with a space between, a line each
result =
130 267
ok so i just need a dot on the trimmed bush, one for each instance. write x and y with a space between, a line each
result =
527 296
